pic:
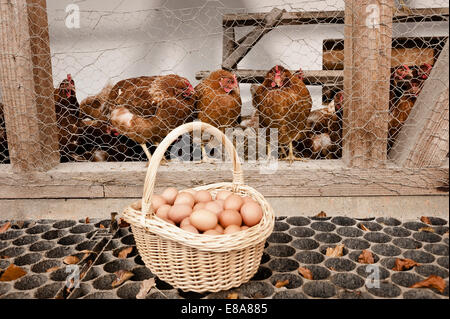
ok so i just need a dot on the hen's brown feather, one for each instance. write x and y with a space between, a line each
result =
215 106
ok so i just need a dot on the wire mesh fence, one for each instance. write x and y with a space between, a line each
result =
125 75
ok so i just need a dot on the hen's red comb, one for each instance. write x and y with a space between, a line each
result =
69 77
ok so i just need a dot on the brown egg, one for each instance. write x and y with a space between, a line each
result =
157 201
223 195
251 213
179 212
221 202
184 198
214 207
170 194
202 196
185 222
198 206
232 229
163 211
230 217
233 202
190 229
247 199
212 232
219 228
203 219
170 221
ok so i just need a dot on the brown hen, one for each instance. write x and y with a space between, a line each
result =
148 108
218 101
284 103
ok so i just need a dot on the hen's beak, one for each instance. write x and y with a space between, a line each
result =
278 81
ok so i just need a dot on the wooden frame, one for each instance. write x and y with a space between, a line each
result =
42 177
27 85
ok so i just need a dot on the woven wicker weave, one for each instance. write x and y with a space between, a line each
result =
197 262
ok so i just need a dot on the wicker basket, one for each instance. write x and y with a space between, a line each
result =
197 262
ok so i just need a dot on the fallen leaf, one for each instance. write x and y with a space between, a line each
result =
363 227
52 269
5 227
4 257
87 253
123 223
146 286
305 272
124 252
101 226
366 257
71 260
13 272
18 224
122 276
427 229
87 220
337 251
432 281
233 295
404 264
322 214
425 220
283 283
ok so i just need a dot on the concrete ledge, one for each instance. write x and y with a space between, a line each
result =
400 207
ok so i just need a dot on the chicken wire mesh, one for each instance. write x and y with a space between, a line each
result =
126 74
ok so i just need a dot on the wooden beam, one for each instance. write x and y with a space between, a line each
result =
27 85
368 39
312 77
248 41
229 44
424 138
334 17
314 178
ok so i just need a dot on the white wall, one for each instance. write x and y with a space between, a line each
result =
125 38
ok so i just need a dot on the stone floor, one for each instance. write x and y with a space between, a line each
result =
41 245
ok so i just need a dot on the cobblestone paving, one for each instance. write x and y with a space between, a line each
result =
295 242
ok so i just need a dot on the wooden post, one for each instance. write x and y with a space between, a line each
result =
367 45
229 44
423 140
27 85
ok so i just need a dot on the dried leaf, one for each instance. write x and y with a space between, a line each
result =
71 260
363 227
432 281
366 257
124 252
5 227
404 264
102 226
283 283
123 223
52 269
233 295
322 214
13 272
427 229
122 276
425 219
87 220
146 286
305 272
4 257
18 224
337 251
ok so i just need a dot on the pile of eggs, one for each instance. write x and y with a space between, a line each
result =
197 211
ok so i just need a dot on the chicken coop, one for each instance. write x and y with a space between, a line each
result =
354 92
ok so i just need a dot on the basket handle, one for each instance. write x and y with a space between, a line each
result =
157 156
